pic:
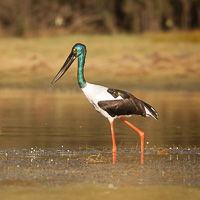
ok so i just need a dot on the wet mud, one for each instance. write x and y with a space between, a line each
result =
90 172
62 166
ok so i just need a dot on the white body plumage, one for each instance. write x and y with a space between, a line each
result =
95 93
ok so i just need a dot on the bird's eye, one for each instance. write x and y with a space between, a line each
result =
74 50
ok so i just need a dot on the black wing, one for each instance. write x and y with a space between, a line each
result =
129 105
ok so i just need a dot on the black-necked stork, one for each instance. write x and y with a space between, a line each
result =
111 103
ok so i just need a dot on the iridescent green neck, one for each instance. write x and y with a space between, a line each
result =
81 79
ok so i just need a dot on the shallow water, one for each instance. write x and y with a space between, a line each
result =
41 119
57 139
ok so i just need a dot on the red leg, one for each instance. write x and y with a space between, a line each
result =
114 144
113 138
141 137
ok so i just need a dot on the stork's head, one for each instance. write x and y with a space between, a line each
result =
77 50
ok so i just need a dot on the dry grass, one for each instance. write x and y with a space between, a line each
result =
157 61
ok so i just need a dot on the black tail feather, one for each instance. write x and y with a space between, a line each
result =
152 111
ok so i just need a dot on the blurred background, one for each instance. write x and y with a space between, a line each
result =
151 44
47 17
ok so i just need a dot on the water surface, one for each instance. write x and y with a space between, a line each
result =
41 119
50 139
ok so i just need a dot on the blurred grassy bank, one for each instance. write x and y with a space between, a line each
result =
150 61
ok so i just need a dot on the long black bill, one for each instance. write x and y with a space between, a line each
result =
65 67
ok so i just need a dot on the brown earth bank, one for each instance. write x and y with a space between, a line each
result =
149 61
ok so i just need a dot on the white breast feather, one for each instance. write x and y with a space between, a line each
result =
95 93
